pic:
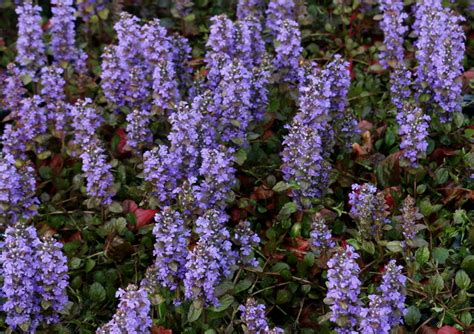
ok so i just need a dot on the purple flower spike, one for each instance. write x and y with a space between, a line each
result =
254 319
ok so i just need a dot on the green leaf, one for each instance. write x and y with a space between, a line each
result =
283 296
97 292
462 280
240 157
104 14
287 210
75 263
116 207
394 246
242 285
309 259
440 254
413 316
224 303
441 176
422 255
195 311
90 264
468 265
281 187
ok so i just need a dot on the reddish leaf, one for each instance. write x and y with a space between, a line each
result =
122 142
144 217
161 330
428 330
129 206
263 192
448 330
56 163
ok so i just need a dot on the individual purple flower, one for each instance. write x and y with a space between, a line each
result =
52 280
52 91
63 36
278 11
157 51
408 218
13 90
246 8
138 130
30 123
171 247
288 49
161 170
320 235
392 25
233 98
254 319
413 131
211 259
20 267
304 162
343 290
30 47
246 239
368 209
393 293
218 178
375 318
251 46
17 191
132 315
220 48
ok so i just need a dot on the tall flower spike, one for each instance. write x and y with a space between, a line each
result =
53 279
408 218
320 235
181 55
288 49
392 291
132 314
392 25
246 239
63 36
157 51
254 319
171 247
218 178
211 260
303 161
375 318
343 290
260 80
278 11
220 48
400 85
248 36
413 131
20 269
17 191
52 91
234 97
113 78
30 47
246 8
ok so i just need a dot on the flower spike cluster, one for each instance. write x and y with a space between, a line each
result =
277 12
246 8
254 319
408 218
394 30
288 49
320 236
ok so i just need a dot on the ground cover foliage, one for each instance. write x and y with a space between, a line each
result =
228 167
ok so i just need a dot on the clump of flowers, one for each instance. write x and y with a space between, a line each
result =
30 46
369 209
133 313
375 318
52 91
210 260
254 319
343 290
34 278
251 46
320 235
17 191
392 291
171 247
246 239
413 130
12 89
138 130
